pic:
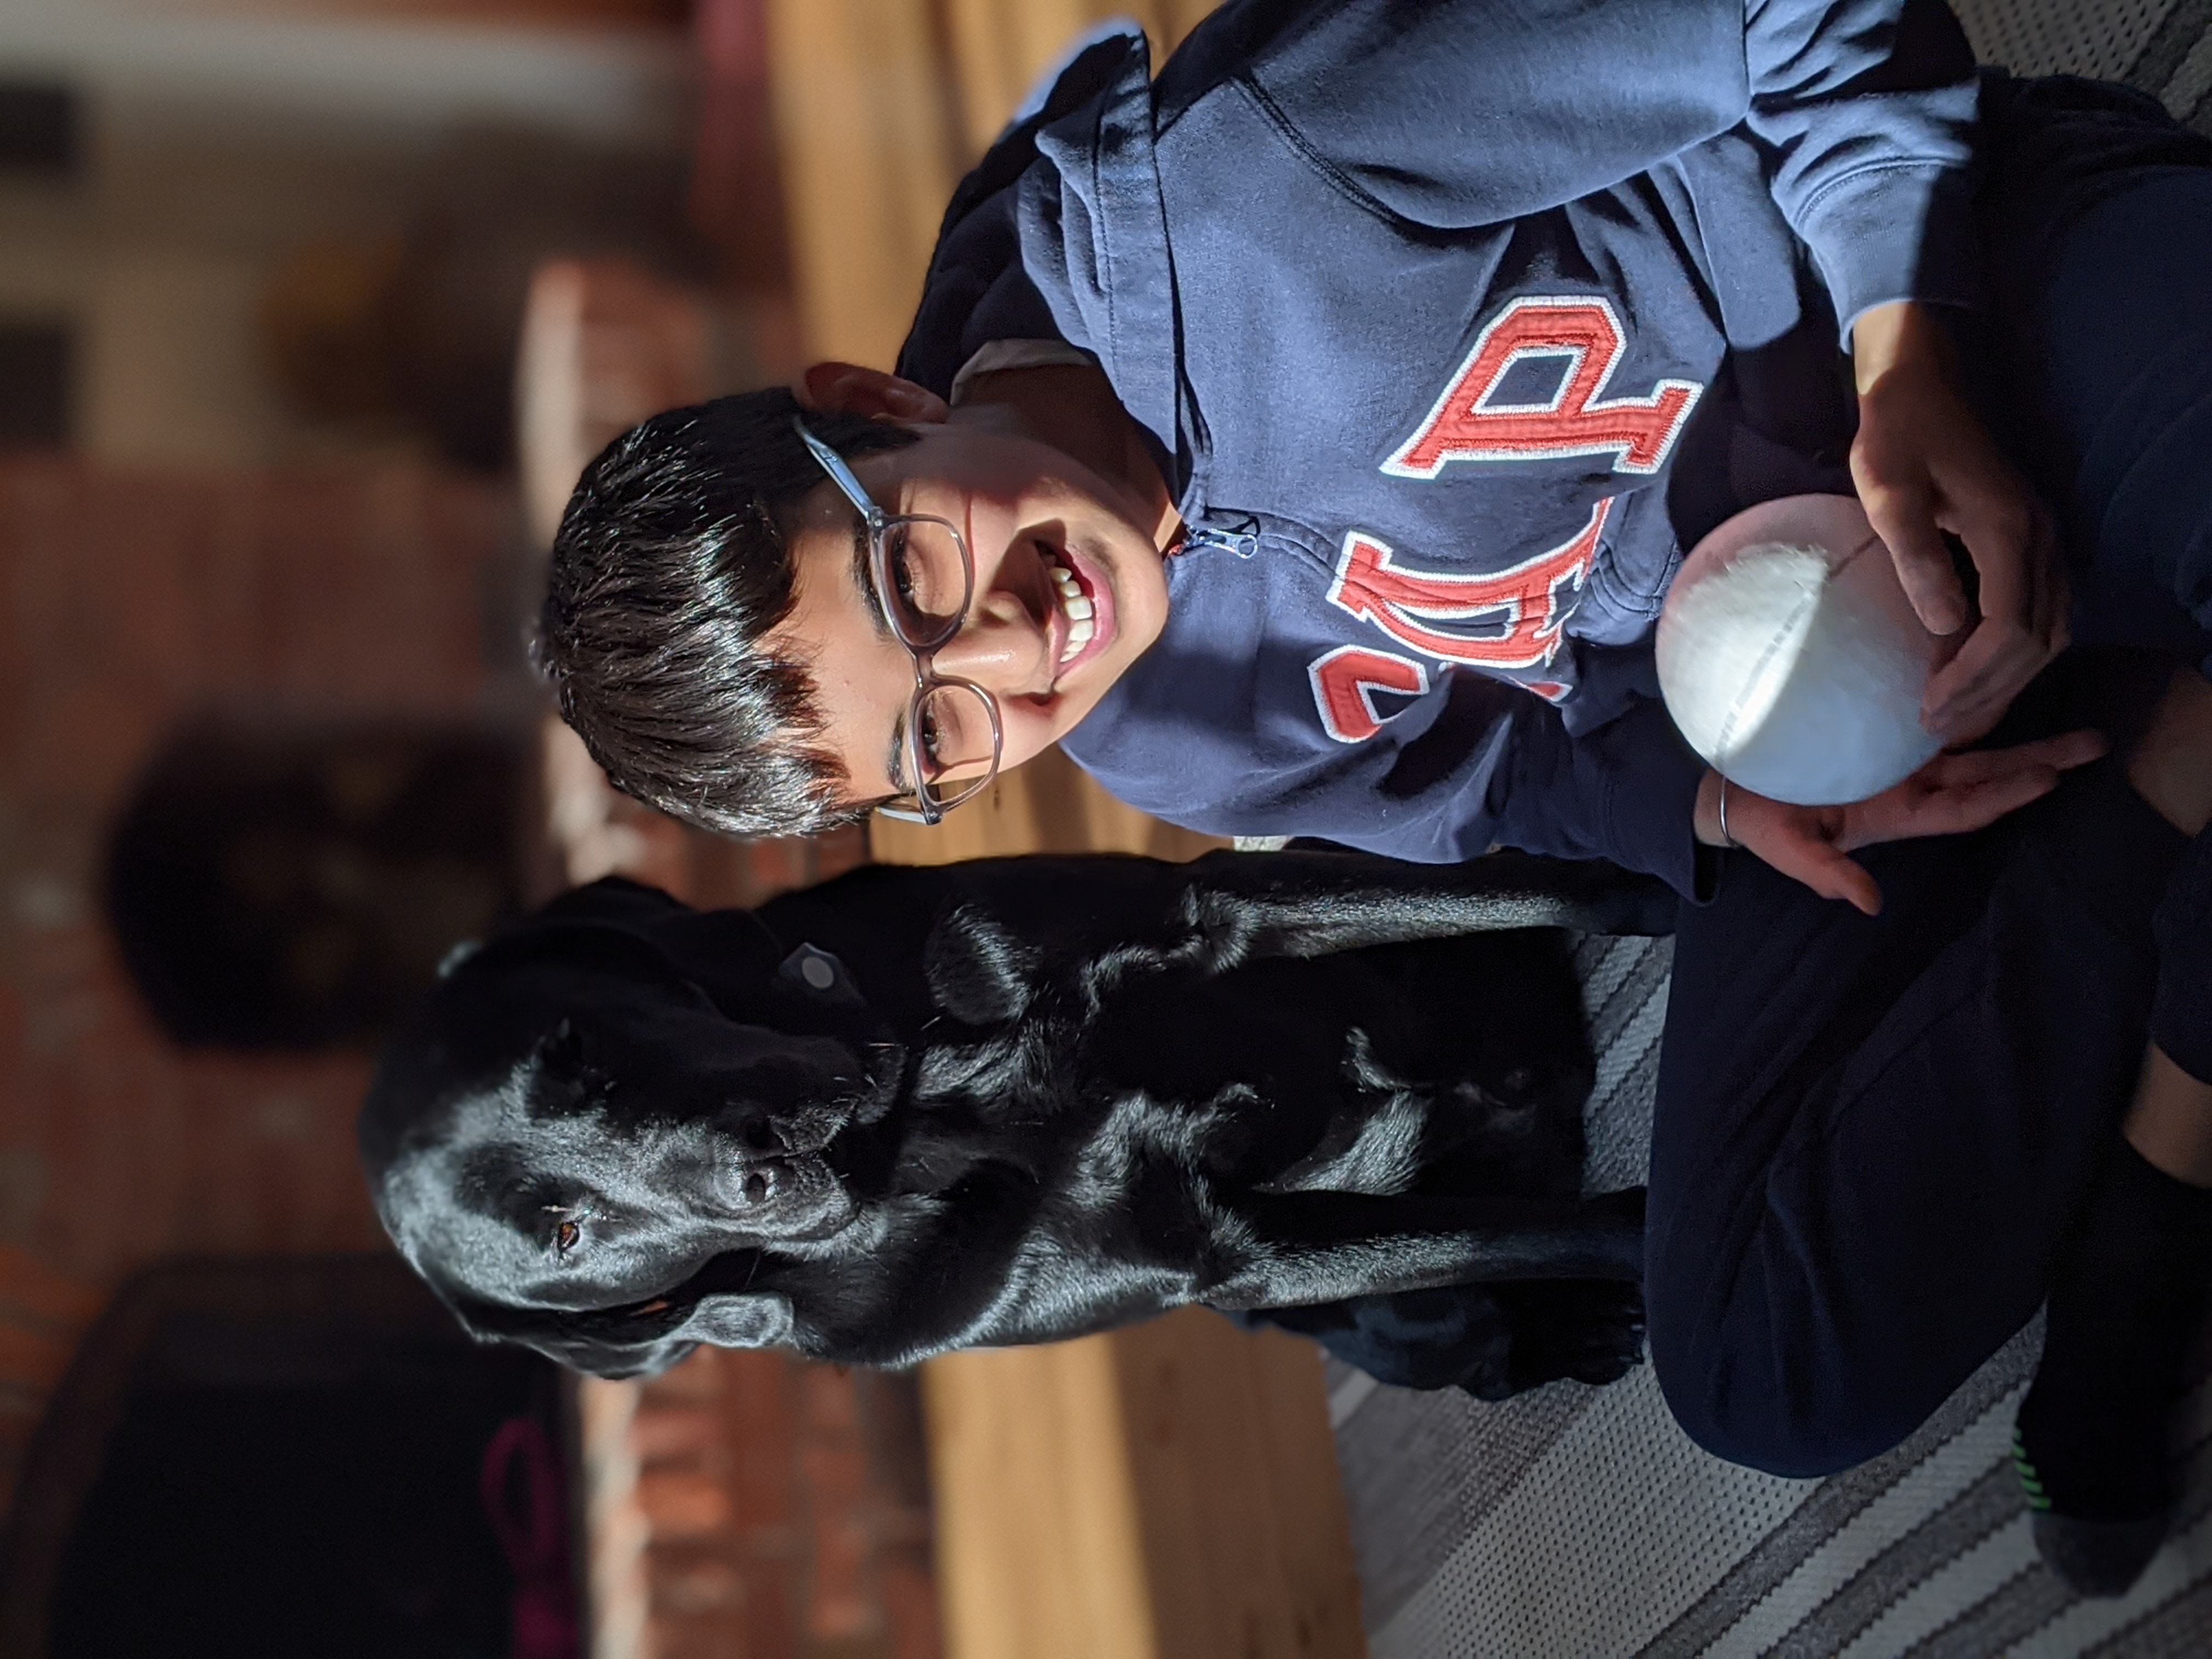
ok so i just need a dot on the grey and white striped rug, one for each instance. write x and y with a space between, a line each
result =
2162 47
1575 1522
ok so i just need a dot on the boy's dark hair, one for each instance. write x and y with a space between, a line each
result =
669 570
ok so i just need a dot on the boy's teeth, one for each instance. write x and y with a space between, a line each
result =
1079 610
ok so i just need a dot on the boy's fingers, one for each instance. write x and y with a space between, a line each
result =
1838 877
1969 694
1954 795
2014 552
2070 749
1954 810
1819 864
1906 521
2062 753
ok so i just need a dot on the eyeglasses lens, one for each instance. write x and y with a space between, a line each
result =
928 588
958 734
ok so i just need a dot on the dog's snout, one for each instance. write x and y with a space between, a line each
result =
758 1186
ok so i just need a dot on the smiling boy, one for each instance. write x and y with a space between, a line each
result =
1372 447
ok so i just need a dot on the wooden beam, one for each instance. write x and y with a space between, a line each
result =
1169 1492
864 125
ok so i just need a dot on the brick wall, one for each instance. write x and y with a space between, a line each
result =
125 604
749 1506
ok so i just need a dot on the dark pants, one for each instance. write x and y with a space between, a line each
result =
1872 1135
2094 365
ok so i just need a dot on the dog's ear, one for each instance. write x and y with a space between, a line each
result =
628 1342
978 971
740 1319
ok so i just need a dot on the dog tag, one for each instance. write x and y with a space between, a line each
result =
817 971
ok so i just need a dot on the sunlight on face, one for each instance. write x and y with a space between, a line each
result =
1070 590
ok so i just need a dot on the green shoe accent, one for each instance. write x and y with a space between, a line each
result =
2030 1481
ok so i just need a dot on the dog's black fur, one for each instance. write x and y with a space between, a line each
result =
1016 1100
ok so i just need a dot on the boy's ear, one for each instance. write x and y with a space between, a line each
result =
849 389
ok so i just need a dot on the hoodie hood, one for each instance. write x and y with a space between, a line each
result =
1091 223
1059 233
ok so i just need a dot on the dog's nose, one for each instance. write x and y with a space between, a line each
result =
748 1185
760 1135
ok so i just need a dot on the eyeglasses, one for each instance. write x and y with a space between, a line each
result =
924 579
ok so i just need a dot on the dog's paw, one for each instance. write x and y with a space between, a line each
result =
1589 1330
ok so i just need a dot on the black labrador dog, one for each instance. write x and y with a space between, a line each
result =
1016 1100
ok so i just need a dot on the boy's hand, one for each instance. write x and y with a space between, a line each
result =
1950 796
1924 464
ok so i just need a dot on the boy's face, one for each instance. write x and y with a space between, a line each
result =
1028 510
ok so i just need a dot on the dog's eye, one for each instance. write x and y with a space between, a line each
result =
565 1237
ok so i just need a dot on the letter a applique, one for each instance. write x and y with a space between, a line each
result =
1522 609
1470 424
1345 682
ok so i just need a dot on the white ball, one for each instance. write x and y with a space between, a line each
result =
1791 658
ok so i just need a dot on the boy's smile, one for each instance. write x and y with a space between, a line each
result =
1069 590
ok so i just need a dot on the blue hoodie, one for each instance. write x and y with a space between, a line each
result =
1451 325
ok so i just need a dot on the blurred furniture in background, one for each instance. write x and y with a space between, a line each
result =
268 1458
349 598
271 251
295 884
42 1315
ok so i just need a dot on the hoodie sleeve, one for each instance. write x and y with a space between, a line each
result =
977 289
1475 112
1478 764
1867 109
1626 792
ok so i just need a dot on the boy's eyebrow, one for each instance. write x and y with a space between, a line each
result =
863 578
895 762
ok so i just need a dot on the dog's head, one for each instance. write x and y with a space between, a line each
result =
576 1129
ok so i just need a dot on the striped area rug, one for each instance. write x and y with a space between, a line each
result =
2163 47
1573 1523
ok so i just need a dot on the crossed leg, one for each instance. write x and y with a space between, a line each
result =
1874 1133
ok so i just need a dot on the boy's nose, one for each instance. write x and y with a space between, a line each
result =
1003 648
